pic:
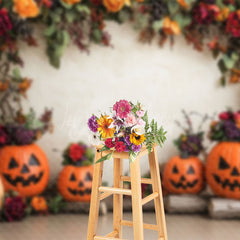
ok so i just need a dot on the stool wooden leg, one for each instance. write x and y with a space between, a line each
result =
95 198
156 185
136 200
117 198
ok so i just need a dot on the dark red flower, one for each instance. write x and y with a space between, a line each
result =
76 152
96 2
205 13
3 136
109 143
120 147
47 3
5 23
233 24
224 116
14 208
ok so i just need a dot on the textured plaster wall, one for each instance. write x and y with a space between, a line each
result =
164 80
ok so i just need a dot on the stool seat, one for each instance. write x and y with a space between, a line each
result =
101 192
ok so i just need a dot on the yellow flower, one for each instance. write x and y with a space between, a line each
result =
223 14
137 139
71 2
104 122
26 8
114 5
171 27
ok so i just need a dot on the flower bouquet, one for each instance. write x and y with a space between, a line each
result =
127 129
227 128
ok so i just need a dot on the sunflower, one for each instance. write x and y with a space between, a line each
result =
137 139
103 127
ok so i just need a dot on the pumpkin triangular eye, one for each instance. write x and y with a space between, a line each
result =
191 170
223 164
175 169
33 161
13 164
88 177
72 177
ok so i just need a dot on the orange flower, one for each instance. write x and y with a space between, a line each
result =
104 123
25 85
114 5
3 86
71 2
223 14
26 8
183 3
39 204
171 27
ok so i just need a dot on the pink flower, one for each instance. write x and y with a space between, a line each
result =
140 113
122 108
130 120
236 117
141 122
224 116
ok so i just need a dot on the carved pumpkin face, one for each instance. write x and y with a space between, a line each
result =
183 175
24 169
223 170
75 183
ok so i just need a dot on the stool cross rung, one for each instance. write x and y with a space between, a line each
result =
143 180
145 225
106 238
105 195
112 190
149 198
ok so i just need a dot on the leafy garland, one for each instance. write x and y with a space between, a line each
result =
211 23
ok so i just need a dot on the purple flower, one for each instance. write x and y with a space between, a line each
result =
92 123
127 140
136 148
126 148
231 130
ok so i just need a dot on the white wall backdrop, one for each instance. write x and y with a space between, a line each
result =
164 80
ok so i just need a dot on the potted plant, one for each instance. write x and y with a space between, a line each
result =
184 173
223 161
23 165
75 179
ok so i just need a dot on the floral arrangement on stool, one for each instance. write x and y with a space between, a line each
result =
223 162
23 165
127 129
185 173
75 179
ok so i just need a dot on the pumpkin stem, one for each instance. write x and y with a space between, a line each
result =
184 154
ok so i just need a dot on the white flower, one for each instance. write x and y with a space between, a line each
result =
130 120
138 129
94 139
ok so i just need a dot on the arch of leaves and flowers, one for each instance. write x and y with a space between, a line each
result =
214 24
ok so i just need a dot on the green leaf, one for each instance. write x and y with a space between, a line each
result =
70 16
221 66
97 35
222 81
65 5
229 61
157 25
50 30
104 148
132 156
16 73
173 6
123 16
106 157
83 9
182 20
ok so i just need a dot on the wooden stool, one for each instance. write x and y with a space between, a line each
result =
99 193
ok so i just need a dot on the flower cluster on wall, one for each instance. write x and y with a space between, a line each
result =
214 24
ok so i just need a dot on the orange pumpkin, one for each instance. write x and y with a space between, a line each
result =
223 169
24 169
183 175
75 183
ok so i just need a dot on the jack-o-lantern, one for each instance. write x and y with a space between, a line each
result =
223 169
75 183
183 175
24 169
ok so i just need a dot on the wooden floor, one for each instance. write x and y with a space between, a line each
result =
74 227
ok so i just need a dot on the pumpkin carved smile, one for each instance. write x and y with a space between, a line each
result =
75 192
25 182
184 185
226 183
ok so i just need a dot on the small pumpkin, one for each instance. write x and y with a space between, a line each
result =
223 169
24 169
75 183
183 175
